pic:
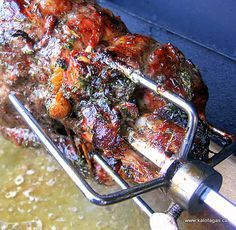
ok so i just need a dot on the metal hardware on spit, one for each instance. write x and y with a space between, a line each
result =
189 183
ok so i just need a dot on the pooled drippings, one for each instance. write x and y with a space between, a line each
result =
37 194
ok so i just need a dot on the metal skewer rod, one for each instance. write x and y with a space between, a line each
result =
220 204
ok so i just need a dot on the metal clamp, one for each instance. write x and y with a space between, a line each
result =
190 181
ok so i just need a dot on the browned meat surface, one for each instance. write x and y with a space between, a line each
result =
49 53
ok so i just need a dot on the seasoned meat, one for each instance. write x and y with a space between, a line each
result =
51 58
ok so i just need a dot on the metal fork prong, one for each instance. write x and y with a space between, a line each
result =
222 155
75 175
138 200
139 78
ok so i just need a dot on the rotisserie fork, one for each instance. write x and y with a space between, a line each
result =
189 184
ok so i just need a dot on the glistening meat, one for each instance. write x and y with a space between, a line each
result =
51 57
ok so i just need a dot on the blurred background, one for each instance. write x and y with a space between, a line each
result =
205 31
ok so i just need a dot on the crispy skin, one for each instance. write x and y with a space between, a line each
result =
50 56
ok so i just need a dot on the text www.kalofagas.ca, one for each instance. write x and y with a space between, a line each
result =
206 220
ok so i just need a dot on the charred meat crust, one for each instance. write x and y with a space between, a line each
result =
48 52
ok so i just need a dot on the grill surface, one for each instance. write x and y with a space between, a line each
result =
218 72
201 21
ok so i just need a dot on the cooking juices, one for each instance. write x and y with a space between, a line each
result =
36 193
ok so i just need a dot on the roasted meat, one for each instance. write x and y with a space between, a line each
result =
51 57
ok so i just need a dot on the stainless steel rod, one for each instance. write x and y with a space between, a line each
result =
220 205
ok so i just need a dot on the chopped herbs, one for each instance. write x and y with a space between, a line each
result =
61 63
69 44
186 82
